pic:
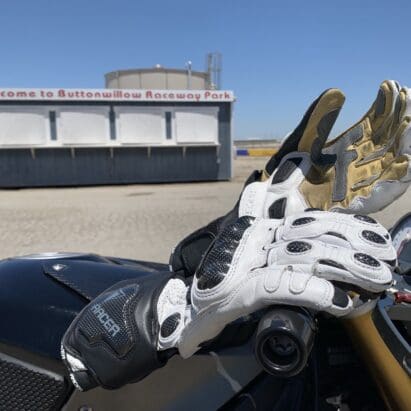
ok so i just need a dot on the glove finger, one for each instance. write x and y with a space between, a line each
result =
385 110
315 125
376 120
372 160
296 285
356 232
372 165
406 92
387 168
400 108
384 164
398 169
403 138
261 288
378 141
80 375
393 182
335 263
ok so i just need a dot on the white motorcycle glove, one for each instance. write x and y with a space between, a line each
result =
311 260
362 171
304 260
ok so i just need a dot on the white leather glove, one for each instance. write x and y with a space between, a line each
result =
304 260
363 170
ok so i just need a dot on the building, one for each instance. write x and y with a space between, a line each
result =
160 77
63 137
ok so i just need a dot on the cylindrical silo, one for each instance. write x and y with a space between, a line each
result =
157 78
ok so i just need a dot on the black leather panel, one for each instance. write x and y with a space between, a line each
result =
285 170
277 209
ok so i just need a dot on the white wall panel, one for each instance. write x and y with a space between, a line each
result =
23 125
140 125
83 125
196 125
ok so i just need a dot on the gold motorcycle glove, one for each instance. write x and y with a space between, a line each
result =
363 170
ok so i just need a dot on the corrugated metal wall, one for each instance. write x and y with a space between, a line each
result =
69 166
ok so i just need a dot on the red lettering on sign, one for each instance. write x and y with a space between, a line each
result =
129 94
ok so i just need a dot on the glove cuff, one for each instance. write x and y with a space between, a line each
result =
117 333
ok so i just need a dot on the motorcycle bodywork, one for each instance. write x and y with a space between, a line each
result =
39 297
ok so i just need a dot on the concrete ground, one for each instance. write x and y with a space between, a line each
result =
135 221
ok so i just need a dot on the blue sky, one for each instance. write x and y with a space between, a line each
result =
277 55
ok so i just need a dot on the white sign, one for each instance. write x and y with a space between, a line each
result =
197 125
67 94
83 124
24 126
139 125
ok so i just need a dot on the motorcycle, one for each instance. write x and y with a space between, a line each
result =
284 358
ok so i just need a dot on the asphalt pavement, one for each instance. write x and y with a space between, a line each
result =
134 221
